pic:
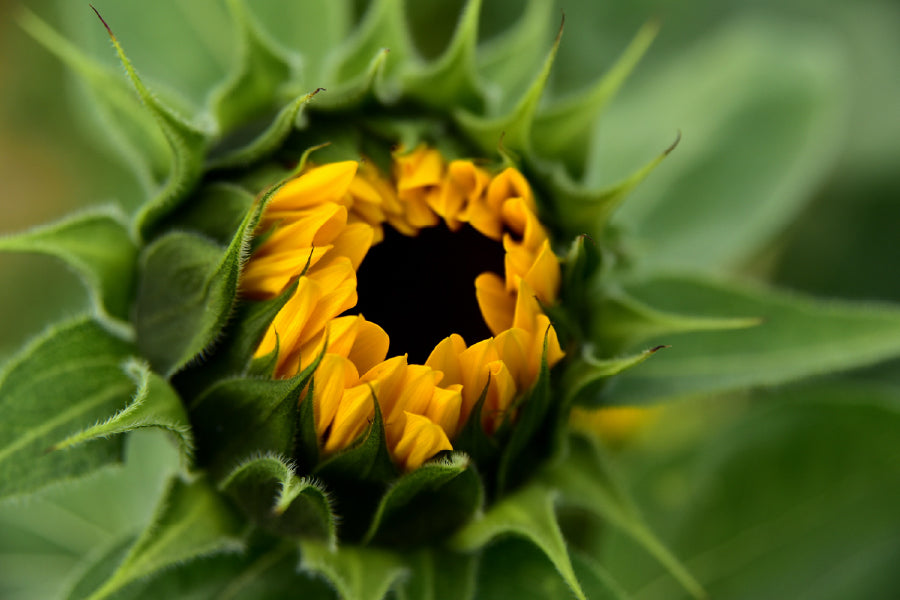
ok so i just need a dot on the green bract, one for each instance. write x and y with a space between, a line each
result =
254 510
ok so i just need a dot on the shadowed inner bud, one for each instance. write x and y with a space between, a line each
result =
421 289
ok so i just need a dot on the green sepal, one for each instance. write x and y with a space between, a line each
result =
798 337
535 434
579 269
155 404
306 445
67 380
576 205
355 572
585 373
354 92
528 513
453 74
250 90
97 245
188 145
215 211
269 491
241 416
584 480
563 132
512 129
428 503
133 131
186 291
192 521
439 574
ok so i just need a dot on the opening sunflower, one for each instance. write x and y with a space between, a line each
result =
475 260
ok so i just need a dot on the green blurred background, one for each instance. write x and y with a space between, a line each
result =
790 112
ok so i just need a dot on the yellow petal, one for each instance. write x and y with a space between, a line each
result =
501 391
328 182
514 348
444 408
496 304
420 440
354 414
370 346
333 375
445 358
544 275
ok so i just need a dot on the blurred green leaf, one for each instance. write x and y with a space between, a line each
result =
439 574
192 521
798 337
65 381
795 498
760 105
97 245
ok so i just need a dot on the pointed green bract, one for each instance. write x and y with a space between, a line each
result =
97 245
368 460
135 134
186 290
586 372
193 521
66 381
529 513
454 73
510 130
798 337
560 131
269 491
188 145
439 574
253 87
383 28
427 503
356 573
155 404
216 211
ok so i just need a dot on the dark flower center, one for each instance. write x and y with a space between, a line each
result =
421 289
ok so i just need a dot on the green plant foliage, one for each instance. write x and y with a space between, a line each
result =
798 337
97 245
356 573
62 383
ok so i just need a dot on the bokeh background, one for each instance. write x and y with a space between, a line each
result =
790 116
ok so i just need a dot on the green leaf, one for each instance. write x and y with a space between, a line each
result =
428 503
528 513
761 105
192 521
97 245
271 493
563 130
238 417
356 573
63 382
135 135
795 496
799 337
511 129
155 404
188 146
451 77
253 86
584 480
185 294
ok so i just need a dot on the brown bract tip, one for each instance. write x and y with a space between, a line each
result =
674 144
658 348
102 20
